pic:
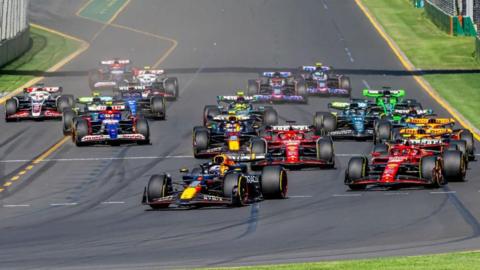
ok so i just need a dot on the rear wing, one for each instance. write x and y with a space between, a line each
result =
283 74
234 98
111 62
291 127
131 87
151 71
239 157
430 121
49 89
86 100
226 117
425 131
99 108
381 93
339 105
313 68
423 141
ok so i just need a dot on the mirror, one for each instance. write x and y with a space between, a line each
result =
184 170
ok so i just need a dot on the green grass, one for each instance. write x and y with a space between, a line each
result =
47 50
427 47
457 261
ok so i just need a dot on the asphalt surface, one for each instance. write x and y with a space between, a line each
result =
81 208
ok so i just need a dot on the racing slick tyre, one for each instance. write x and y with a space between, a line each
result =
304 75
461 146
356 169
209 112
258 146
380 148
10 109
171 88
235 187
301 90
270 117
67 119
431 170
201 139
159 186
324 122
324 147
63 102
344 83
93 78
252 88
467 136
454 168
274 182
383 132
264 132
142 127
80 131
157 106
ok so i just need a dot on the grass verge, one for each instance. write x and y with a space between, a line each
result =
457 261
47 50
427 47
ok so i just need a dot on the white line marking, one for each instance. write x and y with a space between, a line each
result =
324 5
300 196
349 155
95 159
347 195
349 55
443 192
366 84
113 202
16 205
63 204
395 193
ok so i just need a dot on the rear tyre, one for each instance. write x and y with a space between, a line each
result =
171 88
235 187
10 109
383 132
157 106
324 122
252 87
143 128
209 112
467 136
270 117
201 139
80 131
380 148
63 102
431 171
274 182
302 90
67 119
461 146
159 186
258 146
325 151
356 169
454 168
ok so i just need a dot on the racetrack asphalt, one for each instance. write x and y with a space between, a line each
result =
80 208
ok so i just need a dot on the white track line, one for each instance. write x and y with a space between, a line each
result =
443 192
347 195
113 202
15 205
63 204
395 193
300 196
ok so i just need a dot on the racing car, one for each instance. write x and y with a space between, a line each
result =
321 81
143 101
225 133
38 103
278 87
404 165
438 135
155 80
390 104
221 182
355 120
110 126
110 74
292 146
240 105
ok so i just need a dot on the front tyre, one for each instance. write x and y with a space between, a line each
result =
274 182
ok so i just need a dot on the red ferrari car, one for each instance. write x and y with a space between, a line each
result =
293 147
405 165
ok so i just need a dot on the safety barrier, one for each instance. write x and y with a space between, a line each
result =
14 29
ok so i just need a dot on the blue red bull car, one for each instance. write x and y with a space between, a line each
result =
320 81
110 127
